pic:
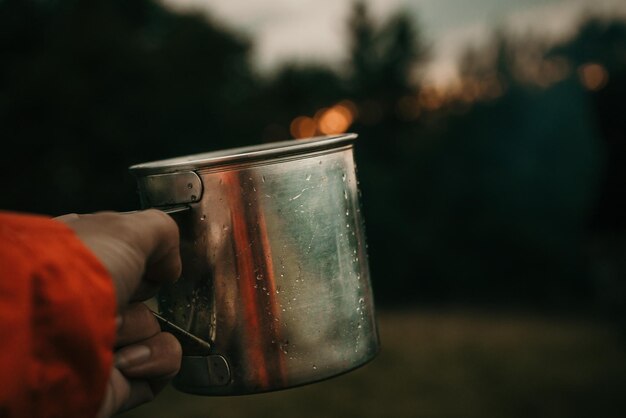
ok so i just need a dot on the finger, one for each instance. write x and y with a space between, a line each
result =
67 218
140 249
158 238
123 394
155 358
137 324
112 238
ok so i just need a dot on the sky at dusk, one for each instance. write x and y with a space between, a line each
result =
315 30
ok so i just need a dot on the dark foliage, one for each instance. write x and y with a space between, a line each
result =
516 199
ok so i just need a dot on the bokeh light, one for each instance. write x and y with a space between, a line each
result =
336 120
593 76
303 127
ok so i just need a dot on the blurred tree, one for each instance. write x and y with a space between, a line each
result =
513 181
489 196
384 61
89 87
363 55
598 56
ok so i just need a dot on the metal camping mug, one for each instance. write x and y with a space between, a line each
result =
275 290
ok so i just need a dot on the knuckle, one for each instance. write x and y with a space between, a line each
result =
162 216
164 223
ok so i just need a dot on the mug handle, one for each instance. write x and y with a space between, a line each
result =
191 344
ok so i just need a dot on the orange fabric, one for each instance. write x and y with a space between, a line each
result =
57 321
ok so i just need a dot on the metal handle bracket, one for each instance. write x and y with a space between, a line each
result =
170 189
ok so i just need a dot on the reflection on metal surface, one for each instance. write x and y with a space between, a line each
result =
275 272
170 189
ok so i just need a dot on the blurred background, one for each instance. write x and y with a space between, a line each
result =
491 155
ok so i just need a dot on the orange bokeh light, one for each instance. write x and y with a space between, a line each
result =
351 106
593 76
303 127
335 120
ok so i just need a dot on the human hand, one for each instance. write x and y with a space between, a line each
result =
141 251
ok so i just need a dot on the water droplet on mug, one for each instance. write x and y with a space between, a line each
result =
263 179
345 194
193 197
203 217
314 367
259 277
189 186
308 177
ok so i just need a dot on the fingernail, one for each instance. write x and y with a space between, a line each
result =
132 356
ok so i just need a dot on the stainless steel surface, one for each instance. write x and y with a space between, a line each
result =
170 189
275 272
201 371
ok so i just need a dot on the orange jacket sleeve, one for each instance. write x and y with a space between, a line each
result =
57 321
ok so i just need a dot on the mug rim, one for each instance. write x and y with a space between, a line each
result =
244 154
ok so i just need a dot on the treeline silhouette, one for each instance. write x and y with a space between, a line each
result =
504 188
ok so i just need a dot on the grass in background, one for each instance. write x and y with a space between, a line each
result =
445 364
